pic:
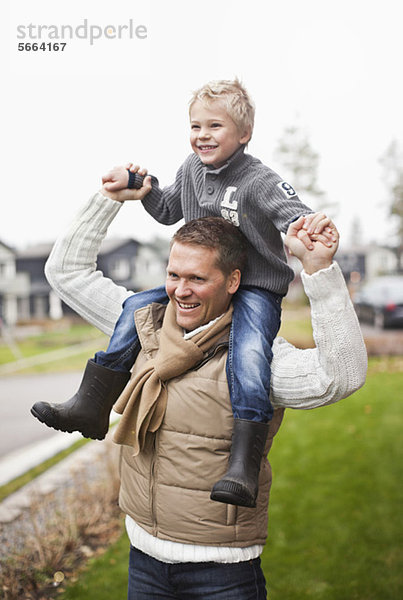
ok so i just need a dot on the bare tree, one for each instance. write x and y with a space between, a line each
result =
355 238
300 163
392 163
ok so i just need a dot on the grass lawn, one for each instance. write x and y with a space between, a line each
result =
336 506
296 325
56 337
105 577
335 530
52 339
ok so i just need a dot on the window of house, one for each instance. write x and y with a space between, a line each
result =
7 269
120 268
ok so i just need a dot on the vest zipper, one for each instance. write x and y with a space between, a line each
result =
211 355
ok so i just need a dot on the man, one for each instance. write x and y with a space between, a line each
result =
177 421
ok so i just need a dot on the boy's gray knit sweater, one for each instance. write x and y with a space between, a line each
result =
245 192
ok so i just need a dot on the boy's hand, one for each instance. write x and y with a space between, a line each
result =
317 227
320 255
319 223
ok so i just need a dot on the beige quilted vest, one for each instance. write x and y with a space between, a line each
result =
166 488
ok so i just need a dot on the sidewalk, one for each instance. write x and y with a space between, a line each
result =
89 457
17 463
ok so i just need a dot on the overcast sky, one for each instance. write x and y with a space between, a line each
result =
335 68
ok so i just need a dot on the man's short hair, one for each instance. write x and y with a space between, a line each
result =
234 97
218 234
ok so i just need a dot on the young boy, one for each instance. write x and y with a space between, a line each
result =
218 179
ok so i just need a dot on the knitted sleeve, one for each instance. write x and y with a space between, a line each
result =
71 266
164 205
278 201
337 366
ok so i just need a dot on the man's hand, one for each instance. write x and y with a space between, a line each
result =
113 189
118 178
322 250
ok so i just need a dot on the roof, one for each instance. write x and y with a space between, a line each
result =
43 249
109 245
10 248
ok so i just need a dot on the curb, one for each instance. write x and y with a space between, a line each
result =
56 477
20 461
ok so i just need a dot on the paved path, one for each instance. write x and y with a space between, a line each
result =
17 394
24 441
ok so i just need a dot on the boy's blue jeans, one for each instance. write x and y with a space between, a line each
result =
255 323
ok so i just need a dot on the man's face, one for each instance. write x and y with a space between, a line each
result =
198 289
214 137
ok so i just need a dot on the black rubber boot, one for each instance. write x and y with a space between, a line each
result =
240 483
89 409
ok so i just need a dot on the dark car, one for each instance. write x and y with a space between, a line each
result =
380 302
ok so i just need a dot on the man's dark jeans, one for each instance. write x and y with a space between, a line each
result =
151 579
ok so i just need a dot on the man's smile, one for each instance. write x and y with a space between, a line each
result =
187 306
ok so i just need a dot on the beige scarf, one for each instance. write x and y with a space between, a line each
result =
143 402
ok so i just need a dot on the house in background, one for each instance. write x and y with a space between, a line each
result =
127 262
14 287
42 301
117 260
359 264
151 263
137 266
364 262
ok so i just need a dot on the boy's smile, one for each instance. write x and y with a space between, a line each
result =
214 136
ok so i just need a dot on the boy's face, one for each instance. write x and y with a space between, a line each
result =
214 137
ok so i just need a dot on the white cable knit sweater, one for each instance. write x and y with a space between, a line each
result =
301 379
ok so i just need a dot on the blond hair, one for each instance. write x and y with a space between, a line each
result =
235 98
